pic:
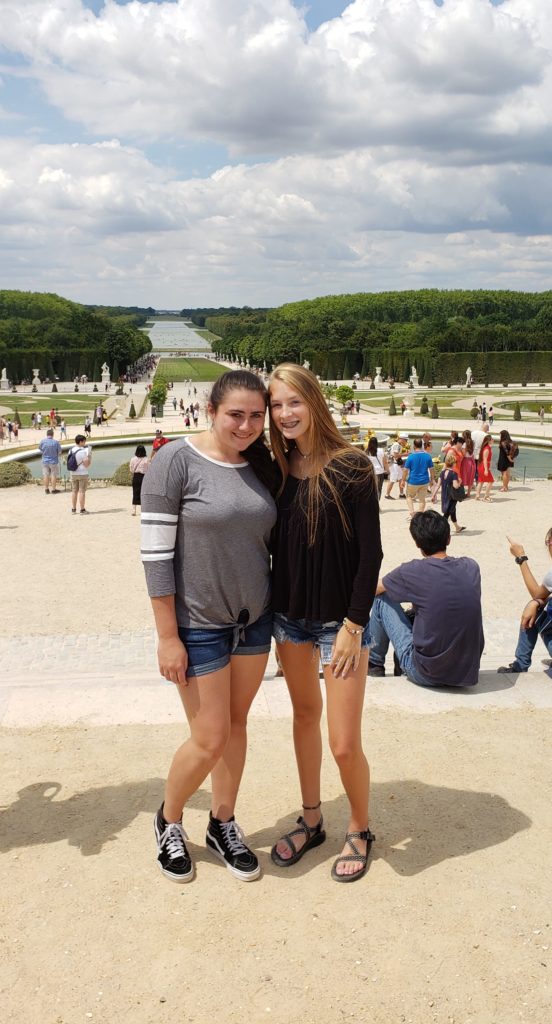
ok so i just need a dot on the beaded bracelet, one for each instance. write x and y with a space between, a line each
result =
353 632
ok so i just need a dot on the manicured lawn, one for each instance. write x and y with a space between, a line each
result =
73 407
184 369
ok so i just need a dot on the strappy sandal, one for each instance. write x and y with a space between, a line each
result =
355 855
314 836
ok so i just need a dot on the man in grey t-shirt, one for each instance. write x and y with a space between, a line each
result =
443 644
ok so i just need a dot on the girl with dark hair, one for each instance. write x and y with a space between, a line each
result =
505 458
467 465
484 475
326 559
378 458
138 466
207 516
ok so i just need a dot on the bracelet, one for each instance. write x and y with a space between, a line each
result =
353 632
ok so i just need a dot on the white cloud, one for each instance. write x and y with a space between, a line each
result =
406 144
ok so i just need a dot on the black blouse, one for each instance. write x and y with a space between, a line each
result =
336 576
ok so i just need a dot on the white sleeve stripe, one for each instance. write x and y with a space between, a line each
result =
163 556
157 536
167 516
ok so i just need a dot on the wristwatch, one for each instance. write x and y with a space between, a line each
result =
520 559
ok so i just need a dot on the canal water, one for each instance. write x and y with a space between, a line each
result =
535 463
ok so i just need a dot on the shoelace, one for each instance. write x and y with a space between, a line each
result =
172 841
233 836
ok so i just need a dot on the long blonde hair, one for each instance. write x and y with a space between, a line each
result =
328 450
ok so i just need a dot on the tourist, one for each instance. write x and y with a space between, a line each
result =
38 420
441 643
62 429
491 416
467 465
396 463
536 618
50 450
87 426
450 483
477 438
484 474
10 429
419 472
541 415
158 442
507 453
138 466
378 458
196 417
207 517
326 558
79 475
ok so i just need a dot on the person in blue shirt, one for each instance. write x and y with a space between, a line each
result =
418 472
50 450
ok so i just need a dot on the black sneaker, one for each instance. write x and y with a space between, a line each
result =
226 840
46 490
512 668
376 670
174 860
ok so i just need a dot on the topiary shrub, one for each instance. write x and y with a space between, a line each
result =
434 411
392 407
122 476
517 411
132 412
13 474
17 417
424 407
54 388
474 411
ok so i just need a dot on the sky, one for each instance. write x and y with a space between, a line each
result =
181 153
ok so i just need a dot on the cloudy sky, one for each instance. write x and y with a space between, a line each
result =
188 152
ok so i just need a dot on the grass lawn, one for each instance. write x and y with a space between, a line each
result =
184 369
74 407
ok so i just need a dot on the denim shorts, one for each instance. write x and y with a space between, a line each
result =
310 631
210 649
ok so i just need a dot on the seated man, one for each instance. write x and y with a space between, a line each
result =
536 618
443 644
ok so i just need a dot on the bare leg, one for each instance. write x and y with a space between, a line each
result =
246 673
206 701
345 698
300 665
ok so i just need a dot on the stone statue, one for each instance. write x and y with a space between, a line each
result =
105 368
413 377
469 376
4 382
413 372
378 377
4 374
36 378
106 376
306 365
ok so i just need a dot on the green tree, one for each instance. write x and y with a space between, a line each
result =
132 412
344 394
517 412
434 411
158 392
392 407
424 408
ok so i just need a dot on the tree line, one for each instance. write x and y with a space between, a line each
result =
65 339
440 332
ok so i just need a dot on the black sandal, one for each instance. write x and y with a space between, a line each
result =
355 855
314 836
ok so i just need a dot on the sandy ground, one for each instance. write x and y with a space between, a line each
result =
452 922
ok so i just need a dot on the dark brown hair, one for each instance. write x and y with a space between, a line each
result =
257 455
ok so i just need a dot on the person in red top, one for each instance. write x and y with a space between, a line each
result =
158 441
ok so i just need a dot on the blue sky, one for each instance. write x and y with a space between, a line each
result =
259 151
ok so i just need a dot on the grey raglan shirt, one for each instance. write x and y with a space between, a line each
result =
206 528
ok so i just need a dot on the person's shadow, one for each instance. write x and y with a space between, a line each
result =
416 825
87 820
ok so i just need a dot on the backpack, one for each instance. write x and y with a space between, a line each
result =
514 450
72 464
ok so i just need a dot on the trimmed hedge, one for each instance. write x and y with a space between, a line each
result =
13 474
122 476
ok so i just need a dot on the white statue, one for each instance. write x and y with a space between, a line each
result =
105 368
414 377
4 374
413 372
469 376
4 382
36 378
106 376
306 365
378 377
